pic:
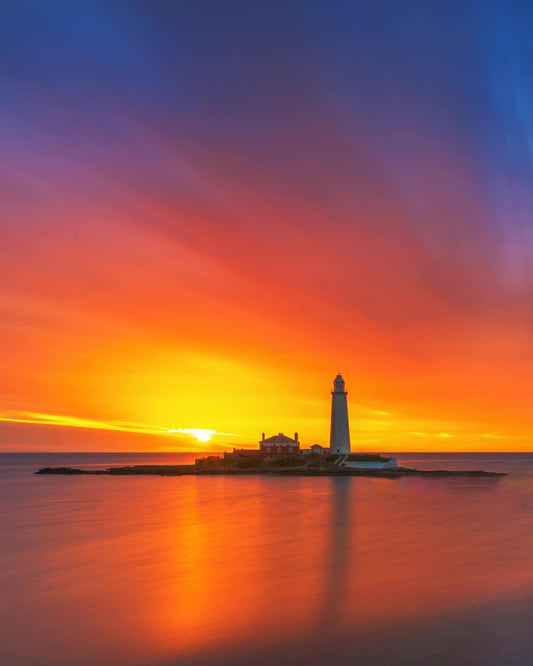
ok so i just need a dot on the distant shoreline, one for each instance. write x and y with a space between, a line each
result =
192 470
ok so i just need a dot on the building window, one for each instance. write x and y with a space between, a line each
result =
290 449
269 449
279 449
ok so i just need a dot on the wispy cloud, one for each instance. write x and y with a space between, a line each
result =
38 418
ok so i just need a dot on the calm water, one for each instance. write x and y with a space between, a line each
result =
255 570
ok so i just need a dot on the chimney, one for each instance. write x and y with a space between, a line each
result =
296 436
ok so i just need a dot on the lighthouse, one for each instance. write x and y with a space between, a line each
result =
339 441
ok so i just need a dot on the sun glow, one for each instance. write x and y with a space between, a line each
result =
201 434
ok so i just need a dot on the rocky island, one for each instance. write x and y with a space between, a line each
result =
312 465
282 455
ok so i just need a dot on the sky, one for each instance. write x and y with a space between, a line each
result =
208 209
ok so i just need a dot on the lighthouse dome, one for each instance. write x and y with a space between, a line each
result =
338 383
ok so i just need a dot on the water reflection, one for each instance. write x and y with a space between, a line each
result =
256 570
339 555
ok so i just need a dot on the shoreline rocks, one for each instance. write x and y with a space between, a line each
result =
191 470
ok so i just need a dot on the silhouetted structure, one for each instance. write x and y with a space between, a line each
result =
279 445
339 441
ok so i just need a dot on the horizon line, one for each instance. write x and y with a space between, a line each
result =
223 451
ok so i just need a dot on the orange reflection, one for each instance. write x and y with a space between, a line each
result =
273 559
145 569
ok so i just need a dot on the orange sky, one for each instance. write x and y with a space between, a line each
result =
202 237
112 324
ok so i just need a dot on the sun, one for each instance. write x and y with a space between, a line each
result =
201 434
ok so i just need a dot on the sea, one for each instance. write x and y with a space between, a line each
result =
198 571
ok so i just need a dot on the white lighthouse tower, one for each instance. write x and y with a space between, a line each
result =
339 441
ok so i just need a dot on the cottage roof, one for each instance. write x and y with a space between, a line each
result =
279 439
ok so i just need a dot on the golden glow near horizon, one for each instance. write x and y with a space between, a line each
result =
388 432
176 394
